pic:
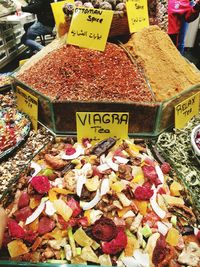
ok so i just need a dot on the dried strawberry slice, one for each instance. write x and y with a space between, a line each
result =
104 229
143 193
74 205
46 225
117 244
85 142
23 214
160 250
151 218
165 167
15 230
62 222
23 200
69 150
83 221
41 184
150 173
30 236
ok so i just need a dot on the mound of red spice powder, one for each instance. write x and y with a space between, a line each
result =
80 74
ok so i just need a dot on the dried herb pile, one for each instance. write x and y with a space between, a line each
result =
177 147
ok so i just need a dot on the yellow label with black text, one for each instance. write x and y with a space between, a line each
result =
90 27
186 110
59 16
101 125
28 104
137 12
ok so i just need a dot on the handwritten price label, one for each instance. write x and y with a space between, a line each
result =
137 13
186 110
28 104
101 125
90 27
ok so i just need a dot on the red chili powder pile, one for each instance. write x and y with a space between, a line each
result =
80 74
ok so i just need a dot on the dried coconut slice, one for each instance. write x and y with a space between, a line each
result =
37 212
105 187
121 160
160 174
79 151
156 208
37 168
92 203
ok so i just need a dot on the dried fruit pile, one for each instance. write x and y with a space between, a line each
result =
111 204
14 126
72 73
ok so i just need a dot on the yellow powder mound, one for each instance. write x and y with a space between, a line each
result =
167 71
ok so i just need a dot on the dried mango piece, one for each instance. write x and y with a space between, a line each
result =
175 189
123 211
172 237
17 248
132 244
118 186
141 205
34 225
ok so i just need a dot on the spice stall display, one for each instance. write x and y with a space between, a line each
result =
109 204
13 164
71 79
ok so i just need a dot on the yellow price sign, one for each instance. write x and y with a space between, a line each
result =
59 16
137 12
90 27
186 110
101 125
28 104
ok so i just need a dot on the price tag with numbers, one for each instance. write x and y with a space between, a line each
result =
137 12
28 104
90 27
101 125
186 110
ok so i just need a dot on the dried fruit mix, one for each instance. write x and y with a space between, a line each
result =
106 209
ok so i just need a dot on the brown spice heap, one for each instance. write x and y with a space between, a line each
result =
73 73
168 72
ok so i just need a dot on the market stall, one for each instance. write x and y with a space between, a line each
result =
109 174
